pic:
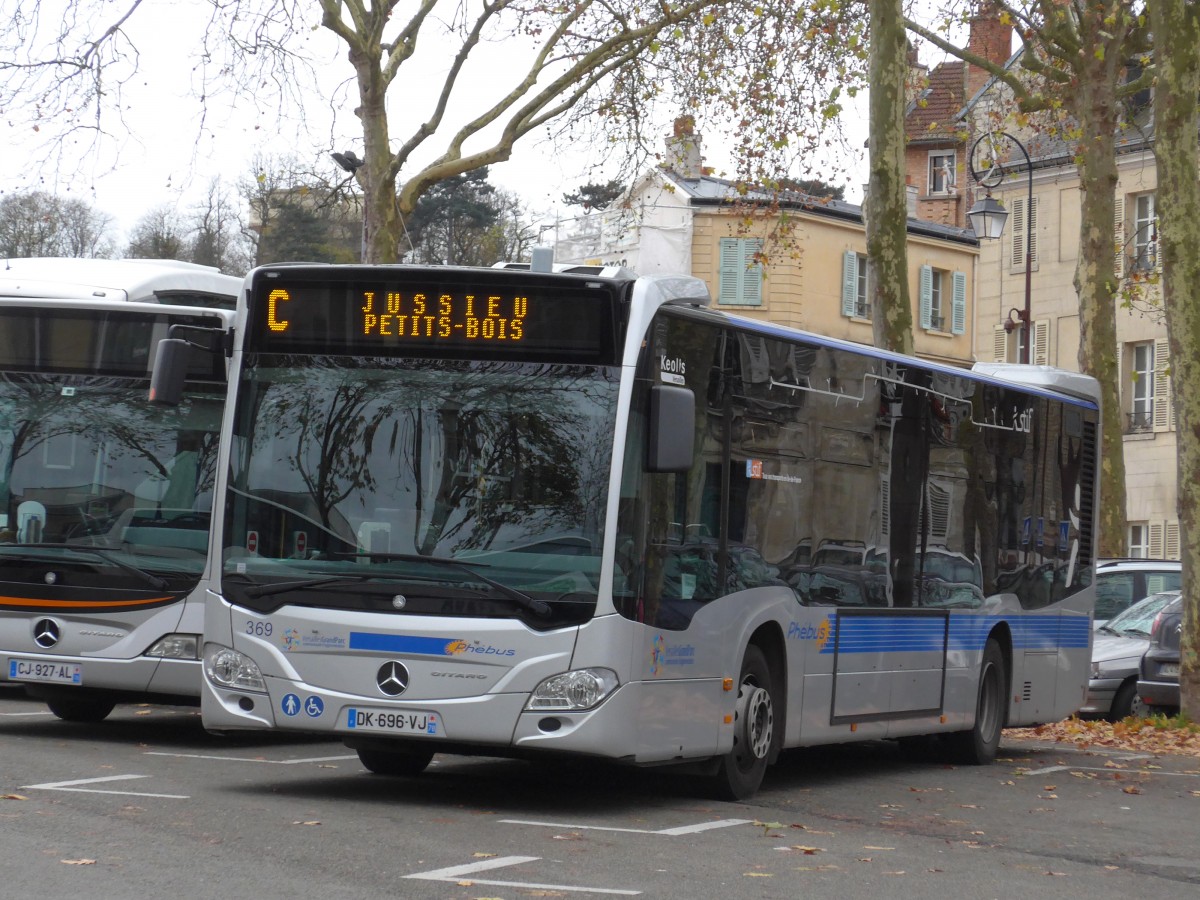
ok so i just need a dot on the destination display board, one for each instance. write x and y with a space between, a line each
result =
427 311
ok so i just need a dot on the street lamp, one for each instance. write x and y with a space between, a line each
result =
987 220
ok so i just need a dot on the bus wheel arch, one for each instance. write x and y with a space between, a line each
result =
979 744
758 717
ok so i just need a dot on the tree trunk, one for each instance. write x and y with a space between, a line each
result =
1176 25
382 223
1095 109
886 206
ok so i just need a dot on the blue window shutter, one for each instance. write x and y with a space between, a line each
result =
926 289
740 276
730 277
849 282
958 315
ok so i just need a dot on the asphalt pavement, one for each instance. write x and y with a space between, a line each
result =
148 804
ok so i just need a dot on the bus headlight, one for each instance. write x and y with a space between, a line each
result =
228 668
176 646
579 689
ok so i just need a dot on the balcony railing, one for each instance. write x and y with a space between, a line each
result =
1140 422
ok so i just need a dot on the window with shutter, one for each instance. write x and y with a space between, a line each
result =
1172 540
855 302
999 343
1141 374
1119 237
1139 538
1145 235
958 304
1164 414
925 288
1023 222
1041 343
739 280
849 281
1156 540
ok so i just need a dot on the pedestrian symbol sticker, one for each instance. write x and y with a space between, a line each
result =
313 707
290 704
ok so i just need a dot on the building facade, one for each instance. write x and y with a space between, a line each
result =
814 277
1050 223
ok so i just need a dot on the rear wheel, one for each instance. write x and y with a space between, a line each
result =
78 709
1126 701
395 762
741 770
978 745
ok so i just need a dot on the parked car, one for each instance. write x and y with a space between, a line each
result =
1117 653
1158 678
1122 582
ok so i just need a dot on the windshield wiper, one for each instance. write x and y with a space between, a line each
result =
523 600
159 584
266 590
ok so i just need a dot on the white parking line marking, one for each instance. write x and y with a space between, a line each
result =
71 786
251 759
1050 769
670 832
41 712
466 873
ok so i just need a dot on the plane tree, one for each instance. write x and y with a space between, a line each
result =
441 88
1073 83
1176 25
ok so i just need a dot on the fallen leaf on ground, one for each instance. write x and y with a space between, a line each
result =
1142 735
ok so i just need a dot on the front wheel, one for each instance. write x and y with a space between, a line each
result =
395 762
741 770
80 710
979 745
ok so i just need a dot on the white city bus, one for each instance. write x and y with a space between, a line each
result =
105 499
507 512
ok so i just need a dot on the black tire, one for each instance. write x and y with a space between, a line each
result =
979 745
81 710
1124 702
740 771
395 762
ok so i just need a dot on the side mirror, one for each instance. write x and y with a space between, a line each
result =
670 444
170 371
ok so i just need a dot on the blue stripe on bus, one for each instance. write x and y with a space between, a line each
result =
402 643
906 634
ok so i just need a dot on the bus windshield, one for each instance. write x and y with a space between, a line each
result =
85 462
358 479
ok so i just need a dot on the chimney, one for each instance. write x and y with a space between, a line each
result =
915 77
683 149
989 38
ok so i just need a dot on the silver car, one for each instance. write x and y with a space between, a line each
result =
1116 653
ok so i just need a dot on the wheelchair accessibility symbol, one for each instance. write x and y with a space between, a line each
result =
313 707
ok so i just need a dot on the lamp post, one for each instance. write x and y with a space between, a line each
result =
987 221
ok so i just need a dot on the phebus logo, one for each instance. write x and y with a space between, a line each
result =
459 647
808 632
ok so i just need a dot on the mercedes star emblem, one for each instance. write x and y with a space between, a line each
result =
392 678
46 633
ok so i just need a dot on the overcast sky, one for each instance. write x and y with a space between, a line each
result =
164 154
